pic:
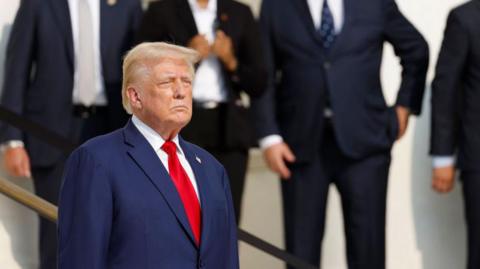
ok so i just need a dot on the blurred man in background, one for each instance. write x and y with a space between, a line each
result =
323 118
226 35
63 71
456 117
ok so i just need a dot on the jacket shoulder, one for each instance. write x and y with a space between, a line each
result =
239 6
161 5
467 14
103 145
466 10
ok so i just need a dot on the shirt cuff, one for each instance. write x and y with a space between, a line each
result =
11 144
269 141
442 161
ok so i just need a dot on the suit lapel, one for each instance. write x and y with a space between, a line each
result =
62 18
306 17
147 160
349 14
203 189
185 16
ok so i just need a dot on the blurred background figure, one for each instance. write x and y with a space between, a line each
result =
63 70
323 118
226 35
455 129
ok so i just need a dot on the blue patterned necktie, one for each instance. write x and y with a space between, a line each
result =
327 27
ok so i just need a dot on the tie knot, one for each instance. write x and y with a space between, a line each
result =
169 147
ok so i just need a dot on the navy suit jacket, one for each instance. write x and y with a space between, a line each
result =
120 209
456 89
40 64
302 75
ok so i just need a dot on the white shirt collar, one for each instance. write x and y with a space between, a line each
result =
211 6
153 138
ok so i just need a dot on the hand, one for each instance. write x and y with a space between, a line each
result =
223 48
402 115
200 44
276 157
17 162
443 178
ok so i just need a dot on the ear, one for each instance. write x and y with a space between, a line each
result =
134 97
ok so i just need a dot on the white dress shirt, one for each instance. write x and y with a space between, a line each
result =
336 7
95 12
442 161
209 84
156 141
315 7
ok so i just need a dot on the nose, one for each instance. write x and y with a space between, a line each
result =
179 89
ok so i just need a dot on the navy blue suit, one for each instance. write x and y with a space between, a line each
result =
352 148
38 85
119 209
456 113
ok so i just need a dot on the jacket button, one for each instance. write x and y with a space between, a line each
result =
327 65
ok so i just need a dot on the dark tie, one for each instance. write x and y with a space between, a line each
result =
185 189
327 27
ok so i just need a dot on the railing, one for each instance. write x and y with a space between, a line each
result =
28 199
50 212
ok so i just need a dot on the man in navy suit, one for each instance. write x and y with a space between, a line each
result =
323 118
455 135
63 70
141 196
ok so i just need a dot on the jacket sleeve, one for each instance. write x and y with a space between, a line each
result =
85 214
447 86
263 108
412 49
250 73
18 65
151 28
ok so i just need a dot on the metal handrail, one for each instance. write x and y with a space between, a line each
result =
28 199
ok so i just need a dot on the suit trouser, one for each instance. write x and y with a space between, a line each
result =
47 181
362 185
471 188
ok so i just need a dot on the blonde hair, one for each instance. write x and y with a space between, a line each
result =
139 61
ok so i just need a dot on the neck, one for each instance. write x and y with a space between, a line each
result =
165 130
202 3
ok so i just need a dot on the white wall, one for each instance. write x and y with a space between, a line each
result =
425 230
18 225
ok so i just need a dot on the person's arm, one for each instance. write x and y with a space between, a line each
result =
446 95
85 213
275 151
246 69
264 107
136 17
151 28
18 66
412 49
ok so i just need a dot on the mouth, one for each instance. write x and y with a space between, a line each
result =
180 107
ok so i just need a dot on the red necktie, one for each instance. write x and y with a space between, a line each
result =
185 189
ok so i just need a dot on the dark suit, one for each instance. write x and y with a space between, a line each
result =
456 110
120 209
39 74
352 148
224 131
